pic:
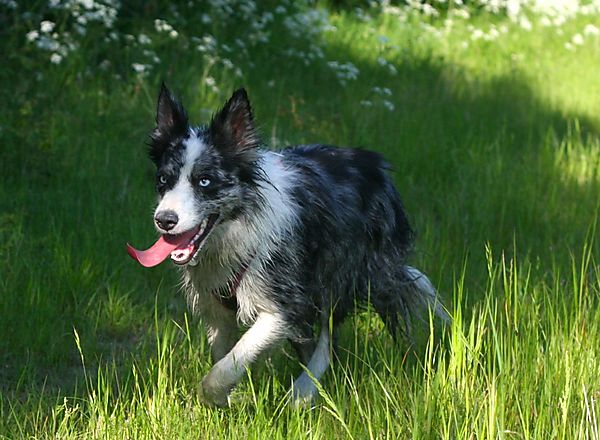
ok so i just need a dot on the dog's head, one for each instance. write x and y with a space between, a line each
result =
205 175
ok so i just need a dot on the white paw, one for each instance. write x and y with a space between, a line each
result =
212 395
304 391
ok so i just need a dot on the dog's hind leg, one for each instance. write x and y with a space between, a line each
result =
304 387
394 313
304 344
304 349
268 330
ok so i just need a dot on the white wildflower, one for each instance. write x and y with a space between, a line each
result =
461 13
477 34
140 68
56 58
32 35
210 81
389 105
366 103
173 34
144 39
429 11
577 39
47 26
569 46
162 26
525 24
344 71
513 8
590 29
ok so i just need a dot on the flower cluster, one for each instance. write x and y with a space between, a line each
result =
233 31
58 45
526 14
81 14
344 71
380 96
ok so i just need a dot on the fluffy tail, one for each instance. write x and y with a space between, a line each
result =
425 294
411 292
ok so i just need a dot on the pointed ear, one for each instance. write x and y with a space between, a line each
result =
232 128
170 114
171 123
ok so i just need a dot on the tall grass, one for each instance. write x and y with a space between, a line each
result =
495 150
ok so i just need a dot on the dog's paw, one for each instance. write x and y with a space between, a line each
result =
304 392
211 396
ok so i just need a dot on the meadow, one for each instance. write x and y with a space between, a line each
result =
490 116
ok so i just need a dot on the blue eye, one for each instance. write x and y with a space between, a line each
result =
204 182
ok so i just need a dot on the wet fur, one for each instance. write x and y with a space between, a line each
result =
319 228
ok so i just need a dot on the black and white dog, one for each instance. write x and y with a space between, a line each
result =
277 241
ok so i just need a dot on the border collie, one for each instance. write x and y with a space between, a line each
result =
284 243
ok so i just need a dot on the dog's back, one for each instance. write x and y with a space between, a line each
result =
355 234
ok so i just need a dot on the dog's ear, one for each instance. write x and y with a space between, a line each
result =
170 115
171 123
232 128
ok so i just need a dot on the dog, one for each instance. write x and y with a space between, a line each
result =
286 243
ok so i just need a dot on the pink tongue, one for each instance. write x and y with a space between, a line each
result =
161 249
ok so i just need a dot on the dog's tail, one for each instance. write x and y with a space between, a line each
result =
425 294
413 295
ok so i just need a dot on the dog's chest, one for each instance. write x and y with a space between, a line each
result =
237 287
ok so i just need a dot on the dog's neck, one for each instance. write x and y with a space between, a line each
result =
227 294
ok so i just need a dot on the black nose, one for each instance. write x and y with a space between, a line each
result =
166 220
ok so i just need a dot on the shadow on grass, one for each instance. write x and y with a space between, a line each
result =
476 162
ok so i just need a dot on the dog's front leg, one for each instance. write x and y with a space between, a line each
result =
221 328
268 330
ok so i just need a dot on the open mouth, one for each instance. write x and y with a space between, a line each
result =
184 253
182 248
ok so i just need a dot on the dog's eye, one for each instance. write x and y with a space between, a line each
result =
162 179
204 181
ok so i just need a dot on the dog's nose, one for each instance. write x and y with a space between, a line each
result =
166 220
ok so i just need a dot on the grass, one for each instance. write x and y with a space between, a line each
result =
496 151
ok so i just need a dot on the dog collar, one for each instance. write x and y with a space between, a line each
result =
227 294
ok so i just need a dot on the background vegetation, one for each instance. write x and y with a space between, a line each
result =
489 114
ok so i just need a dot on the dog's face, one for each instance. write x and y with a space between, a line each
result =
204 174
